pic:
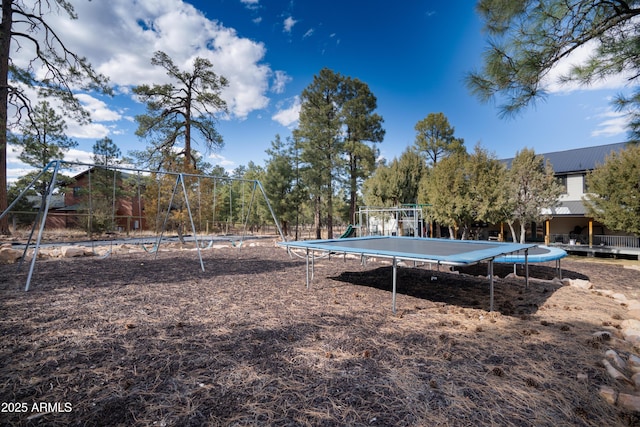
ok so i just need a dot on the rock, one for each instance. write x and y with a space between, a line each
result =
48 253
614 373
557 281
633 304
608 394
636 380
220 246
634 314
71 251
631 330
629 402
619 297
615 359
9 256
580 283
634 363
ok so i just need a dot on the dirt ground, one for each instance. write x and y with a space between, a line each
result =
135 339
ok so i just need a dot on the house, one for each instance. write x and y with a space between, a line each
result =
569 224
127 214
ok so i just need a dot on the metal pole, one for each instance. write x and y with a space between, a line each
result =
164 224
193 226
393 298
491 285
273 215
113 208
27 188
526 268
307 257
246 221
42 223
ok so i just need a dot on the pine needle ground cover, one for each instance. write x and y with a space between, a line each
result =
136 340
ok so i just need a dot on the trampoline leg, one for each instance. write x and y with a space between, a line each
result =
559 269
393 297
491 285
526 268
307 268
313 263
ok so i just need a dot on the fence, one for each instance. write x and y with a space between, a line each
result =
598 240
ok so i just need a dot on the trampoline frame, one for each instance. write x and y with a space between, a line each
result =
479 251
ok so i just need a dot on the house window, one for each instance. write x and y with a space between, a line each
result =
76 191
562 182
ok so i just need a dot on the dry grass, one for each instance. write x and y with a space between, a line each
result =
133 340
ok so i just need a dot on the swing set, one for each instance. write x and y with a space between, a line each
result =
178 204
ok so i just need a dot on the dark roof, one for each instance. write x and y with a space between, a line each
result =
579 159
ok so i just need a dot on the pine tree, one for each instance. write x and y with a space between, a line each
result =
614 191
530 187
41 140
178 112
435 138
23 23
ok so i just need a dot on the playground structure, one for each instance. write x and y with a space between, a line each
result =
403 220
187 194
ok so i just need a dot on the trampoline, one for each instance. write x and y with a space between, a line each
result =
537 254
435 251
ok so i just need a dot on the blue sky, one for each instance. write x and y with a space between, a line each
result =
413 55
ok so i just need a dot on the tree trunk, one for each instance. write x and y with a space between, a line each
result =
465 233
330 209
513 232
316 218
353 189
187 138
5 43
523 233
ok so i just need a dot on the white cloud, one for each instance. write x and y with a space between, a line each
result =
552 84
280 80
119 37
19 169
91 130
75 155
288 24
217 159
98 109
309 33
289 116
613 123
